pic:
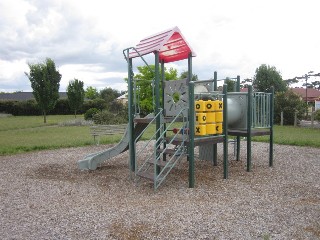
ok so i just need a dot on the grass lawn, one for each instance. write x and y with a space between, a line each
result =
24 134
298 136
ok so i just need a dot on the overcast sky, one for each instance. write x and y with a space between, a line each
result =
86 38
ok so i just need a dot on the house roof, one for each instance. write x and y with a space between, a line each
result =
170 44
123 96
312 93
23 96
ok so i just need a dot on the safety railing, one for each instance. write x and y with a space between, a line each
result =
148 142
136 87
261 110
179 149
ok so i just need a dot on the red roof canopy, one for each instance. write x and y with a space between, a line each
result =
170 44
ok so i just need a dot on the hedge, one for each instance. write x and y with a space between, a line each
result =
30 107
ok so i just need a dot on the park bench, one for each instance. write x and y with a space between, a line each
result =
99 130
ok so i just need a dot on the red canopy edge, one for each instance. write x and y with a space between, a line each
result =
170 44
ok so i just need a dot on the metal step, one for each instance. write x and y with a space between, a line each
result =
167 151
147 175
159 163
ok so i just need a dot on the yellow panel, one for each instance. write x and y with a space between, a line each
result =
200 106
219 117
211 129
209 106
218 105
201 117
219 128
200 130
211 117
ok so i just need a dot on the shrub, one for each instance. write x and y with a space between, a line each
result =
61 108
317 115
96 103
106 117
6 106
90 113
20 108
288 102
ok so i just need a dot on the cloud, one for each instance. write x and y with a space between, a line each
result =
86 38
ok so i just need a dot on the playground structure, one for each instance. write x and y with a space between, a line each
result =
187 114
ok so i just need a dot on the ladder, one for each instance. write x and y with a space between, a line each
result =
166 153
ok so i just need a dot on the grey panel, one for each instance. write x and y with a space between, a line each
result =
237 110
175 97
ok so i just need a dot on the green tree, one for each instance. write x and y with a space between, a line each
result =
317 115
91 93
109 94
145 87
75 93
116 107
266 77
231 84
288 102
184 75
316 85
45 82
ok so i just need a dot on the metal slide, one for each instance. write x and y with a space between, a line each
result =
91 161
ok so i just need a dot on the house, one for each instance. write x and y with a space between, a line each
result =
309 94
24 96
123 99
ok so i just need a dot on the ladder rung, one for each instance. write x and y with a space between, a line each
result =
167 151
159 163
147 175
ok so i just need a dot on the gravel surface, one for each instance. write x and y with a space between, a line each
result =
43 195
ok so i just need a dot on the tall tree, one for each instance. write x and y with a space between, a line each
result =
91 93
75 93
315 85
231 84
45 82
145 87
266 77
109 94
184 75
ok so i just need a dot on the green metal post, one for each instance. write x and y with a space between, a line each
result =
238 137
191 134
225 132
163 78
215 81
238 84
215 147
191 123
249 123
131 113
157 101
189 68
271 127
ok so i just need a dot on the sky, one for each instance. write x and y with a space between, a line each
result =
86 39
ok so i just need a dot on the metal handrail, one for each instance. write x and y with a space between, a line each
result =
159 178
135 97
151 138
